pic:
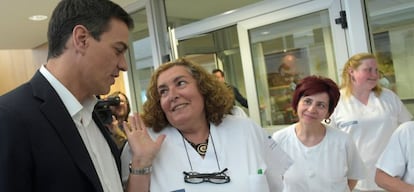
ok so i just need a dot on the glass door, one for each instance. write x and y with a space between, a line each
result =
217 49
141 59
392 39
280 48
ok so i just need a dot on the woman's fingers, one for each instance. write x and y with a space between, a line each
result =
133 122
138 122
160 140
143 147
127 126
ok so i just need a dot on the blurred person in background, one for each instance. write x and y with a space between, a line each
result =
219 74
120 114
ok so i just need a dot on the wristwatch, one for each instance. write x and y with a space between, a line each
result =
142 171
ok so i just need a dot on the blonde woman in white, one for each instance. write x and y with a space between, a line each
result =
368 112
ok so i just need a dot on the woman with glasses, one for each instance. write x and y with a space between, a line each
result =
325 159
368 112
199 146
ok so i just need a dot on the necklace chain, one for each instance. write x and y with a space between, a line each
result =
186 150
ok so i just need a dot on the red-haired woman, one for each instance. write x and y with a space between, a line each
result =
325 159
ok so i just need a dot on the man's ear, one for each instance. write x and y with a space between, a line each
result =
80 36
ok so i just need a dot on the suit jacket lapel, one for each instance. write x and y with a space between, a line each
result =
54 110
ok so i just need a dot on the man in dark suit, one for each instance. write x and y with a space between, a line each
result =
237 95
50 139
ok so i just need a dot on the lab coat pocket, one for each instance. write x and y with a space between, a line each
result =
258 182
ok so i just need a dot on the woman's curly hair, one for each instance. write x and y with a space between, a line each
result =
218 98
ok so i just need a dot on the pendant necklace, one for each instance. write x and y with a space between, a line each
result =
186 150
201 148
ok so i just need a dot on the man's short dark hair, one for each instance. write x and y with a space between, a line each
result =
95 15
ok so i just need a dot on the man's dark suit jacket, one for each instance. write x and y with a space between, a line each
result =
40 146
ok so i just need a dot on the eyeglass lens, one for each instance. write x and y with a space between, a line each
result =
216 178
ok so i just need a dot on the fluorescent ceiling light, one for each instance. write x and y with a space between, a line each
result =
38 17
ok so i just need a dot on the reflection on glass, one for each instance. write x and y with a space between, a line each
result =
392 34
282 54
217 49
141 58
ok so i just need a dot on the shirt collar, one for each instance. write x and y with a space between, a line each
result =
69 100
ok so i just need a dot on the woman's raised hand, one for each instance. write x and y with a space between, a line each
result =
143 147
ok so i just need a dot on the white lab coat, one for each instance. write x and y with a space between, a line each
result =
240 145
370 126
397 159
238 111
325 167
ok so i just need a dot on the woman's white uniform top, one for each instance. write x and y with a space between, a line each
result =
370 126
397 159
240 145
326 166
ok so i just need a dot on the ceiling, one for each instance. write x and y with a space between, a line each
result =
18 32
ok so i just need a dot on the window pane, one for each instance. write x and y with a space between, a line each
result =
282 54
392 34
217 49
141 58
